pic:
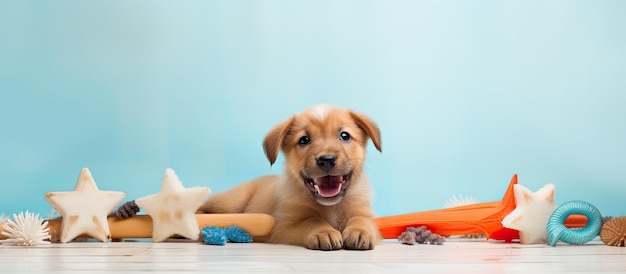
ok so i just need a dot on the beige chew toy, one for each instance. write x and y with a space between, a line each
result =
173 208
85 209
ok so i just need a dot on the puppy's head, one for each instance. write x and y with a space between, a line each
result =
324 149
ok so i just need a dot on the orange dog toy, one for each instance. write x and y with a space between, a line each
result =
481 218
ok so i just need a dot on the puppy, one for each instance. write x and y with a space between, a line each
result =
322 200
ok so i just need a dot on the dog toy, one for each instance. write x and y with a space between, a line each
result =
214 235
173 208
219 236
85 209
211 234
557 230
126 210
482 217
420 235
613 232
531 213
28 229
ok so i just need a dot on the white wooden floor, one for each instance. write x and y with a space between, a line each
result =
454 256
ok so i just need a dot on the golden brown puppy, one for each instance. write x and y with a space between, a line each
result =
322 201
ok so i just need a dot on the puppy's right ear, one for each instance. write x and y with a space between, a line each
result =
274 140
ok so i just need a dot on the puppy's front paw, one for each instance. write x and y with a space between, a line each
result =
358 238
325 240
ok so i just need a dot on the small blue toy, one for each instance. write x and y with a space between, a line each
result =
557 230
219 236
214 235
237 235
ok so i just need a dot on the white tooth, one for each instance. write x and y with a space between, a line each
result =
317 188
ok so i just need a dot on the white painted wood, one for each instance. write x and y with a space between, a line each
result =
454 256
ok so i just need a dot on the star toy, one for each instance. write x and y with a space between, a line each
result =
173 209
531 214
84 210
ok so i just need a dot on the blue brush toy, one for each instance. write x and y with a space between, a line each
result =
219 236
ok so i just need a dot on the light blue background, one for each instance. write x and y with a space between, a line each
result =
466 93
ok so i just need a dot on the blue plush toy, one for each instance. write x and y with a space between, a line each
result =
219 236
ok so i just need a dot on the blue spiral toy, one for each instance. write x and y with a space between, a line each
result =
556 224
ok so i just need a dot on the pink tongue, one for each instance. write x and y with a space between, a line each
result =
328 186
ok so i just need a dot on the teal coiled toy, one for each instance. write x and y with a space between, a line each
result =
557 230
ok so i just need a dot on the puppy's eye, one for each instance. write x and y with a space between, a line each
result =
304 140
344 136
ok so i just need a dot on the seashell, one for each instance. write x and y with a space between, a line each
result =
613 232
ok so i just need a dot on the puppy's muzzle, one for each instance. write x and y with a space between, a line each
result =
330 187
326 162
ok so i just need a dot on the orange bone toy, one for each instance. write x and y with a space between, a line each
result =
481 218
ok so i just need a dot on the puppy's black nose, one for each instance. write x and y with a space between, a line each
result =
326 162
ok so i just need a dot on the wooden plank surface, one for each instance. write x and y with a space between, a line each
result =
454 256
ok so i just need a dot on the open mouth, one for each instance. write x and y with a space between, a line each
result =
328 186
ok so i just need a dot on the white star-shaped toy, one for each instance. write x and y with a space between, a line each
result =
173 209
85 210
531 214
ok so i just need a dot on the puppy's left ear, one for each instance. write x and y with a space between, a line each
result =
274 140
370 128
